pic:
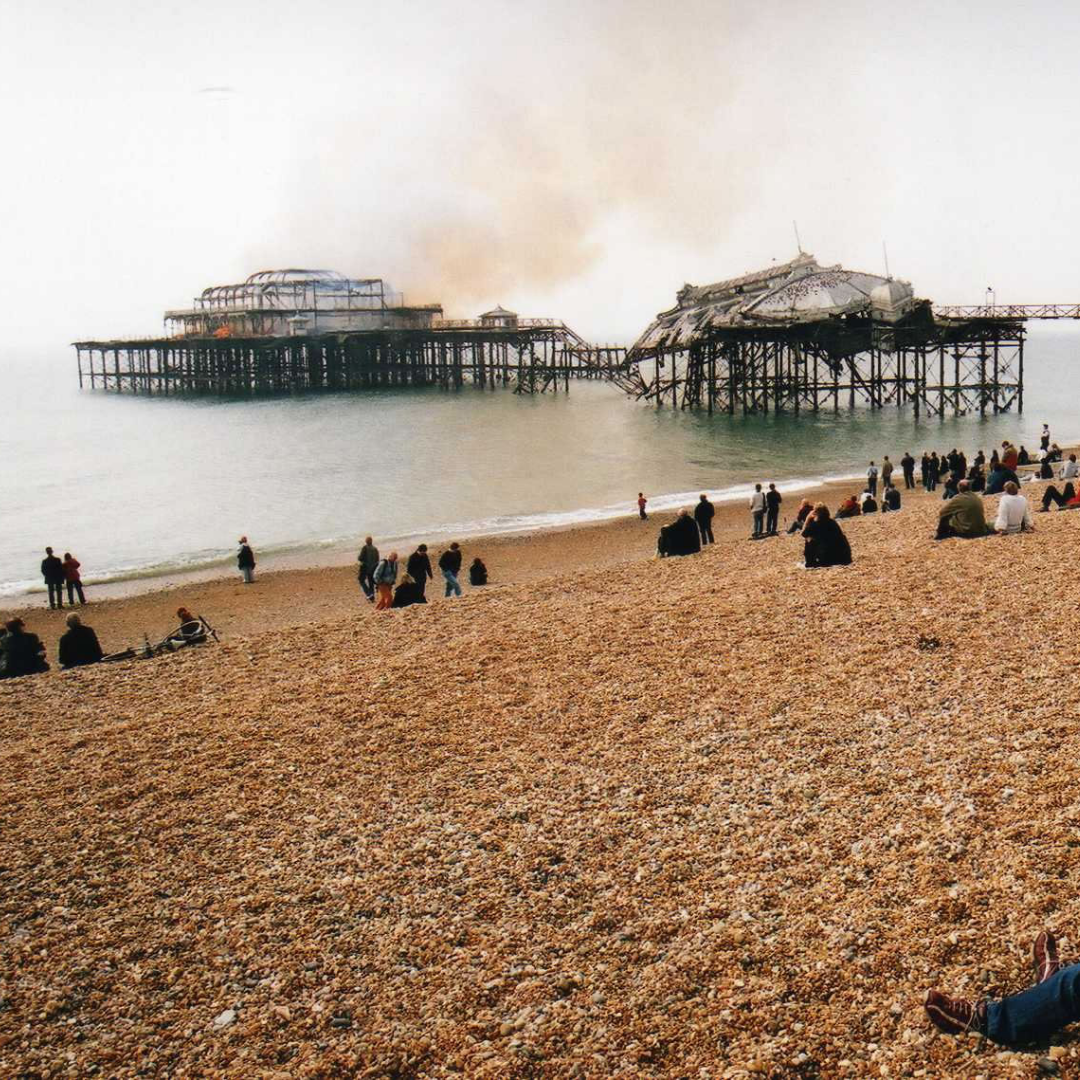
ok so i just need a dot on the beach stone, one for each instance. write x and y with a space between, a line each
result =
225 1018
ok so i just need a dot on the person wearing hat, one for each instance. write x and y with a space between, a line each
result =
245 560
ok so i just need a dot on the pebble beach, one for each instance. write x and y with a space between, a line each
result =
710 817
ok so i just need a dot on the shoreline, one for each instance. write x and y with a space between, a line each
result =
298 588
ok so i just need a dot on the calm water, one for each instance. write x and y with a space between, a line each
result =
136 486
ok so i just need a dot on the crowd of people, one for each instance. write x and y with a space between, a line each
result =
379 582
963 513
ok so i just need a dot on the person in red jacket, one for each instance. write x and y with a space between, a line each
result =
72 578
1009 455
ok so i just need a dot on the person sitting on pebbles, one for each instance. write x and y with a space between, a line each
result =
1028 1017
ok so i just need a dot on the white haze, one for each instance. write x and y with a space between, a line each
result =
580 160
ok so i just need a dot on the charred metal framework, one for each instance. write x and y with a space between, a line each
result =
937 366
529 356
803 337
293 302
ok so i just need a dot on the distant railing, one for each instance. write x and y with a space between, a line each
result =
1008 311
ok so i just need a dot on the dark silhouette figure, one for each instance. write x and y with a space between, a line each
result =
245 561
907 463
79 645
641 501
418 567
52 570
824 541
408 593
703 515
20 653
478 572
681 537
773 499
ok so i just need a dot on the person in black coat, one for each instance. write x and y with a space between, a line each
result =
408 593
478 572
703 515
52 570
682 537
20 653
773 499
418 568
824 541
79 645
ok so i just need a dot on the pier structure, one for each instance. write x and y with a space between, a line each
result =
290 331
802 337
536 356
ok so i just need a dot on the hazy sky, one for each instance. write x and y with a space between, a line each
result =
575 159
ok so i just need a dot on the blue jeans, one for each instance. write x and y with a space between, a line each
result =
1037 1013
452 586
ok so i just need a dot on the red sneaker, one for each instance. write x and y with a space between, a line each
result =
1044 955
955 1016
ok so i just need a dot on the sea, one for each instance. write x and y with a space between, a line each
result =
141 488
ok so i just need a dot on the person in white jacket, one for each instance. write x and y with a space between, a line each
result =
1014 514
1070 470
757 509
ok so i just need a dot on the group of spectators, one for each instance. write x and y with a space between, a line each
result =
60 574
378 577
22 653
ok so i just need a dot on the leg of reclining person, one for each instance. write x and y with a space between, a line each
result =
1036 1013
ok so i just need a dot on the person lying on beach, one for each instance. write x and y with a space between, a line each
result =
79 645
1065 499
824 541
963 515
21 653
1031 1016
806 508
408 592
478 574
849 507
1013 514
190 631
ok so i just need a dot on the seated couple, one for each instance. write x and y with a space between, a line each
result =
964 515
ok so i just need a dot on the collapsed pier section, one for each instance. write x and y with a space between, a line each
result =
802 337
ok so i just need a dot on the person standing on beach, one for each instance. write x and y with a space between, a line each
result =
871 479
757 511
933 472
245 560
773 499
907 463
72 578
924 471
1044 438
703 515
418 568
385 576
368 560
886 472
641 501
450 565
52 570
